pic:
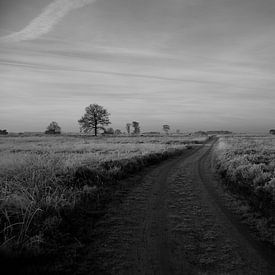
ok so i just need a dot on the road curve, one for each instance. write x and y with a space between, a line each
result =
173 221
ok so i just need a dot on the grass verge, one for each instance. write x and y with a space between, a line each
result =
247 169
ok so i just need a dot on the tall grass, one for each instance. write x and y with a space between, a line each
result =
30 187
41 177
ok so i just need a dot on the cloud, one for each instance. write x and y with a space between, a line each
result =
213 79
45 22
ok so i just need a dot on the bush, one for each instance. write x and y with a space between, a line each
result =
3 132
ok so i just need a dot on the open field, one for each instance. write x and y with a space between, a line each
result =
43 177
73 204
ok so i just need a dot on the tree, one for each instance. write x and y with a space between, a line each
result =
3 132
118 132
53 128
166 128
96 117
136 127
109 131
128 128
272 132
178 131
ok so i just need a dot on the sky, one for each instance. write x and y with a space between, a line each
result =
192 64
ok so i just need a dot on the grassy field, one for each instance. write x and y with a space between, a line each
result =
43 178
248 165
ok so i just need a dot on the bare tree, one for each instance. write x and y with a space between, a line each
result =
53 128
128 128
166 128
96 117
136 127
118 132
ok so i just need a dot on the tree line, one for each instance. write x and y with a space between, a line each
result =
96 118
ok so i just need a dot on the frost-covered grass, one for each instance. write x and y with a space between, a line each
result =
248 164
43 177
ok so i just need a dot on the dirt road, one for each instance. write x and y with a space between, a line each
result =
173 221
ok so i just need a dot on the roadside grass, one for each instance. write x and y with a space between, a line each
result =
45 180
247 165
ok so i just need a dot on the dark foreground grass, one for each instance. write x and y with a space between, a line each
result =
36 234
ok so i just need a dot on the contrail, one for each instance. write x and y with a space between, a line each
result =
45 22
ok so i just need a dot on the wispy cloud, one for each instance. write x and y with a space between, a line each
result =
45 22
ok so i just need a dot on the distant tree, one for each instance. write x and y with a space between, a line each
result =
3 132
53 128
166 128
128 128
118 132
109 131
136 127
178 131
96 117
272 132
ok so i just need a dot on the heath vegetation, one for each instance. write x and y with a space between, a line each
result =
44 178
247 163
